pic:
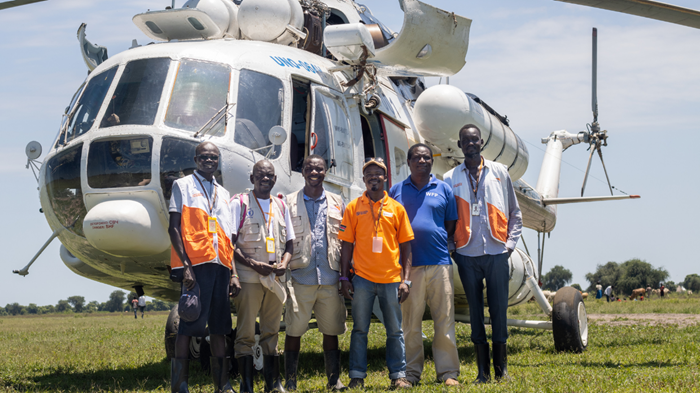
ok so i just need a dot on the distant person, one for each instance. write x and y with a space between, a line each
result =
489 227
608 293
376 235
662 289
598 290
315 269
432 210
142 304
134 305
200 231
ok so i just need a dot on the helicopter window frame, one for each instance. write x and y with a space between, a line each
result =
66 114
117 177
69 132
217 130
66 192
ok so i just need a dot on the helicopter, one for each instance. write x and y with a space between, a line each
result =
355 90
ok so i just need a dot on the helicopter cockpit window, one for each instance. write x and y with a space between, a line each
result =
137 95
259 108
63 187
82 116
199 93
176 161
120 162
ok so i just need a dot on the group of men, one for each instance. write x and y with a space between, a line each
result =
303 254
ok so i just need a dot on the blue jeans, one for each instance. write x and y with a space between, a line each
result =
362 304
496 271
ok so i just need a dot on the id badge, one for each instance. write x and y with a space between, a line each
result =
475 210
212 224
270 244
377 245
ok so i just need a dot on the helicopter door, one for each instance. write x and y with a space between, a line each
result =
398 147
374 139
301 110
329 135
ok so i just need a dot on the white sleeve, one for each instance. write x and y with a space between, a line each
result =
235 215
290 226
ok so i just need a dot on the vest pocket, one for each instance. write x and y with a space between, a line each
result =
251 233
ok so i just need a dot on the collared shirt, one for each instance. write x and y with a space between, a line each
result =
319 271
481 241
393 228
428 209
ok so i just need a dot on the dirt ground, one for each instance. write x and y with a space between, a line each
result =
645 319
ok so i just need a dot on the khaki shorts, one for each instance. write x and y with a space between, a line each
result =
328 307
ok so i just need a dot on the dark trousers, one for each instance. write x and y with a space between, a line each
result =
495 270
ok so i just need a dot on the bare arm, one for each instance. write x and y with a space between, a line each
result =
346 251
175 232
286 257
234 286
406 263
450 226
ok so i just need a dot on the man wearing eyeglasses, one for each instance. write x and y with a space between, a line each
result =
199 210
432 209
376 235
488 228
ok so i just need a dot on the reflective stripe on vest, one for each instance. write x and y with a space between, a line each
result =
200 245
495 198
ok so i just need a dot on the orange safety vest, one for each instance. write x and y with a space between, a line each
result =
495 198
202 246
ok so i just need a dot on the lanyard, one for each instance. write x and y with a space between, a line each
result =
475 187
269 213
210 203
371 209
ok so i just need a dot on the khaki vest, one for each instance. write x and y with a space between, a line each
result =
251 237
302 230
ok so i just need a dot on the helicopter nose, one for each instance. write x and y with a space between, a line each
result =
126 227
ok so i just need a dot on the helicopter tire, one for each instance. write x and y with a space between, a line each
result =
569 321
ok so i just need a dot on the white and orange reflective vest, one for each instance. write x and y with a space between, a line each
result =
202 246
495 198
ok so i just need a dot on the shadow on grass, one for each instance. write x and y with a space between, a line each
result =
605 364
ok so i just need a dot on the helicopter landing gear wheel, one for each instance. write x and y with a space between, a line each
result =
569 321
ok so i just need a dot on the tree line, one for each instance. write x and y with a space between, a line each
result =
118 301
624 277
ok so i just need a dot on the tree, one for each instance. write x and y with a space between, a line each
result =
607 274
115 302
78 303
63 306
639 274
692 282
557 278
577 287
32 308
15 309
671 285
92 306
159 305
50 309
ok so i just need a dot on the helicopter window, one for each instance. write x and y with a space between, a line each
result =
85 112
120 162
199 93
137 95
330 115
176 161
259 108
69 109
63 187
300 109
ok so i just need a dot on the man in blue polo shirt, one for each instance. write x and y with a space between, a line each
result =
432 210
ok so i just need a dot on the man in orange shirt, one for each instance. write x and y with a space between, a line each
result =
376 234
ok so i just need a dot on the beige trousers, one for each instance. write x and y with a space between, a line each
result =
254 300
432 285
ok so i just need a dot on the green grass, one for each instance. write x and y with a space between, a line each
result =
115 352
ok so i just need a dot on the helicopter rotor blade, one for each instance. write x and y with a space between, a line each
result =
594 79
600 154
594 147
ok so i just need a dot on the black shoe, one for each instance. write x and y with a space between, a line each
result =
483 363
245 368
332 360
271 372
179 373
219 373
500 362
291 363
356 383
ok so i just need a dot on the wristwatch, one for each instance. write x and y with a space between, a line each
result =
341 278
408 283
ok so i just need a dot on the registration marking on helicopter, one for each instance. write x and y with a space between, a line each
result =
302 65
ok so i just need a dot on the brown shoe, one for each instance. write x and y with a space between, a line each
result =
400 383
451 382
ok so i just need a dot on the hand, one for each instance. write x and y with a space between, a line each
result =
510 251
404 291
234 287
189 280
262 268
346 289
281 269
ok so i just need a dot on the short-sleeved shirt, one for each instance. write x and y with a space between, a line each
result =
427 209
394 228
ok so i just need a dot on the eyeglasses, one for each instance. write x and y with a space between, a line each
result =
205 157
374 159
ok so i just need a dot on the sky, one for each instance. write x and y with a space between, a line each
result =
529 60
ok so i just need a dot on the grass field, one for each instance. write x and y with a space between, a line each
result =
115 352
